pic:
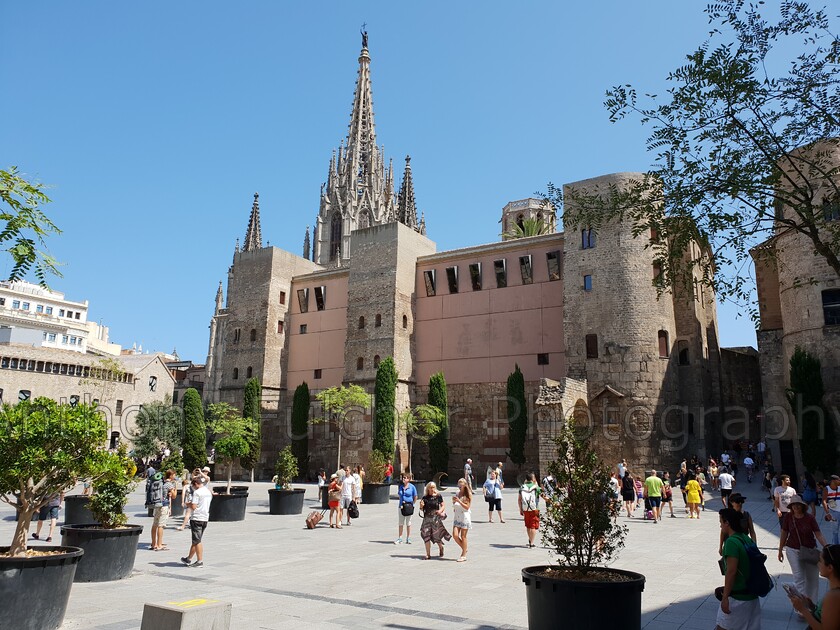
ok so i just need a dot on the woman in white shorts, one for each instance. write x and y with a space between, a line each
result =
462 523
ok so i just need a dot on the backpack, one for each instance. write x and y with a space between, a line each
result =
353 510
759 582
529 498
154 493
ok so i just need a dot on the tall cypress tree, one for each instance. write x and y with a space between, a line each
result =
300 426
439 444
517 412
816 426
252 408
386 398
195 431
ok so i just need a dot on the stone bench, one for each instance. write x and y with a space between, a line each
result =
193 614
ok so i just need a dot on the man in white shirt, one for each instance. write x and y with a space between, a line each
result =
724 458
348 491
726 482
782 496
201 498
622 468
749 464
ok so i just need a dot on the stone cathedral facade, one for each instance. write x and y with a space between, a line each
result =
577 312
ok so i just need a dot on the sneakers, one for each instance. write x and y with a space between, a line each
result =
672 516
197 563
35 536
398 541
408 541
186 561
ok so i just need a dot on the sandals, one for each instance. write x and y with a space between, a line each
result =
462 559
427 558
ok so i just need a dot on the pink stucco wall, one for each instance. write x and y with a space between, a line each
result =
478 336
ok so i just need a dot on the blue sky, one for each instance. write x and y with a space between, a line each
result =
154 123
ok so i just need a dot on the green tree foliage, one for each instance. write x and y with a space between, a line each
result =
231 434
385 395
252 409
517 412
44 448
529 227
26 227
816 426
116 482
285 469
159 425
338 403
723 138
376 467
421 424
580 529
300 425
439 443
195 431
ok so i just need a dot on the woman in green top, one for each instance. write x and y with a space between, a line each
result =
825 615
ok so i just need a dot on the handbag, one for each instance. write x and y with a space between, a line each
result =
808 555
407 509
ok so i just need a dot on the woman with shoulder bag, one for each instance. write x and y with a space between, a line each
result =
407 494
462 519
493 496
333 499
800 533
434 511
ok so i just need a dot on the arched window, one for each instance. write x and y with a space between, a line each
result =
360 363
682 352
253 334
235 373
664 346
405 321
376 361
361 322
364 219
378 322
249 372
335 235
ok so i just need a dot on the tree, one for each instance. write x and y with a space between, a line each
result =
725 141
195 431
158 426
116 482
816 427
27 227
251 408
337 403
285 469
44 448
578 525
439 443
103 377
385 396
231 434
517 416
300 425
422 424
529 227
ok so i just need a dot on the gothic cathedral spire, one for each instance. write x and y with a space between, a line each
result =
406 204
306 244
253 235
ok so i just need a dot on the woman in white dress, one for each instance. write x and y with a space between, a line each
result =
462 523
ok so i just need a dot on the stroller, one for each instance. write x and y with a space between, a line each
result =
648 516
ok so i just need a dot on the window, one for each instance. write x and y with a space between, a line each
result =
237 333
61 312
49 310
78 315
1 395
153 383
2 301
378 321
335 235
360 363
831 306
429 278
376 360
249 372
253 334
520 221
654 234
317 375
831 210
45 335
361 322
119 407
25 306
542 359
282 297
657 273
587 283
591 346
664 346
64 339
405 321
587 238
15 303
500 268
553 260
39 308
24 394
303 300
525 269
72 341
320 297
235 374
475 276
303 329
682 352
13 365
452 279
175 397
364 219
280 326
70 314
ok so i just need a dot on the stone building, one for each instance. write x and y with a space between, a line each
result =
577 312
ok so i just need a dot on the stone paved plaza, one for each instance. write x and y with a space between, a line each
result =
277 574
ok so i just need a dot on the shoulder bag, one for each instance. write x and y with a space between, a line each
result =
808 555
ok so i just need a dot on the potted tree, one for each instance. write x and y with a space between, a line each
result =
420 424
283 499
231 432
44 448
338 403
579 529
110 544
160 426
375 489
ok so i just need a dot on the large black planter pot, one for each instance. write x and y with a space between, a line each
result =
420 486
228 507
34 590
109 553
233 489
325 497
76 509
176 510
376 493
285 501
559 604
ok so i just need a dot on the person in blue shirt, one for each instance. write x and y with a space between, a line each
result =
407 498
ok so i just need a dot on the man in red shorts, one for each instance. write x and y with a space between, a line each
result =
529 502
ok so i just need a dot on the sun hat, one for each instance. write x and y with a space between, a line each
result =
333 476
737 497
794 500
205 469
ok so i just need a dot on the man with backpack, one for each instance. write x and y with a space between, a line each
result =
529 503
154 500
745 576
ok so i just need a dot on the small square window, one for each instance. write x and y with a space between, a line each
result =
70 314
587 238
303 329
282 297
500 268
64 339
15 303
475 276
377 322
24 394
831 306
2 301
153 383
320 297
119 407
553 260
237 334
303 300
280 326
78 314
317 375
591 346
587 283
452 279
525 269
429 279
60 312
235 374
49 310
542 359
39 308
51 337
25 306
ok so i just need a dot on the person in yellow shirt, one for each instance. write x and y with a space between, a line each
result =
694 496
